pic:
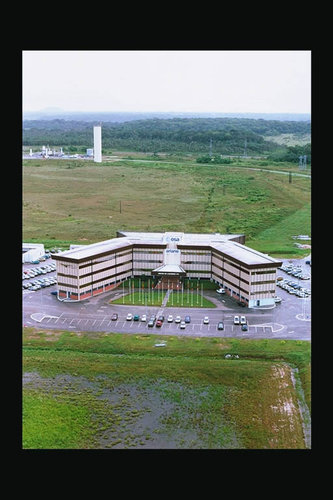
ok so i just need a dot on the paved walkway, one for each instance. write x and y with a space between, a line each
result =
166 298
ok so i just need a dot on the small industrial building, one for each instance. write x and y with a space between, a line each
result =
31 252
246 274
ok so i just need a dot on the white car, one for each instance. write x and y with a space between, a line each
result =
206 320
170 318
242 320
220 290
182 324
236 320
177 319
144 317
277 300
129 317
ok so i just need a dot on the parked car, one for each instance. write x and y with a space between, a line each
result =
220 325
129 317
54 293
220 290
187 319
114 317
236 320
277 300
151 322
143 317
161 318
206 320
159 322
242 320
170 318
244 328
136 317
177 319
182 324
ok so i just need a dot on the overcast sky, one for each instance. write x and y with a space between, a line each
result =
184 81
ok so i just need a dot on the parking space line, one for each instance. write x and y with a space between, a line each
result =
58 318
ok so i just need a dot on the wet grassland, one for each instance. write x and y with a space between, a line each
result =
118 391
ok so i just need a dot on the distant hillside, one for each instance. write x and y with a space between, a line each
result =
228 135
125 116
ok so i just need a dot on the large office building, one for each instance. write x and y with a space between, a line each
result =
246 274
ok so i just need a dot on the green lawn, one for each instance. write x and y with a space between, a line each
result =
141 298
97 390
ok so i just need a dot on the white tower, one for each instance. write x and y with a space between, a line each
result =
97 143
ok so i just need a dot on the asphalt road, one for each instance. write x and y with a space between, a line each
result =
291 319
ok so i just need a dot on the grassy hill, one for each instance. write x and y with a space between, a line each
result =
83 202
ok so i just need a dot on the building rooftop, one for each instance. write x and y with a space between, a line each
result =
86 251
219 242
244 254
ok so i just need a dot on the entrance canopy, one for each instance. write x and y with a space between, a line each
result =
169 269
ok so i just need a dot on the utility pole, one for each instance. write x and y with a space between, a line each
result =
289 177
302 162
210 147
245 147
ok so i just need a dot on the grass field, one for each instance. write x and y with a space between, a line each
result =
81 202
152 298
97 390
155 298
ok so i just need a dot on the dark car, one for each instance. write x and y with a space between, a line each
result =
220 325
114 316
54 293
159 322
151 322
160 318
187 319
244 328
136 317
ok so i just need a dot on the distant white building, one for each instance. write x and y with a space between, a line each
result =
31 251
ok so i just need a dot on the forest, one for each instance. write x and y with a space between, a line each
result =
228 136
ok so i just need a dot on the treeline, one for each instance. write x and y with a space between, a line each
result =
292 154
228 135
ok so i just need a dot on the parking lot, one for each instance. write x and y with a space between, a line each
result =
291 318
